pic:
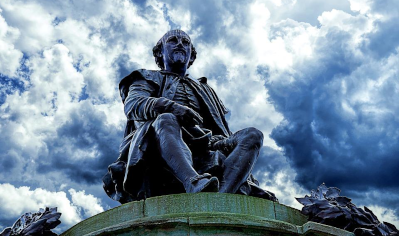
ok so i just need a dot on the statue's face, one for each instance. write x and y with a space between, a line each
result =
176 49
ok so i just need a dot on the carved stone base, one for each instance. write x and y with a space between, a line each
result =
202 214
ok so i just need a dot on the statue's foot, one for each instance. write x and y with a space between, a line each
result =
203 183
211 186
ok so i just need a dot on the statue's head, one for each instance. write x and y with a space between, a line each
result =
174 49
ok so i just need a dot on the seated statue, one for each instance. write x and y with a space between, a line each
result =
177 139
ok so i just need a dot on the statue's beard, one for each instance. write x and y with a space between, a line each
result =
179 57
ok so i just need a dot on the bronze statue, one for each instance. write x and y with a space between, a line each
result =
177 139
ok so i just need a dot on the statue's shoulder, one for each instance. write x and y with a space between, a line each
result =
151 75
204 83
203 80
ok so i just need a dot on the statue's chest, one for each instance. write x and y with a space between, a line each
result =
186 96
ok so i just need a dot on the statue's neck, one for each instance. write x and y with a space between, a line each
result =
176 70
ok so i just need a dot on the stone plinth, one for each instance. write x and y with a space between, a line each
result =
202 214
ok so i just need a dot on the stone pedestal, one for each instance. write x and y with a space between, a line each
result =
202 214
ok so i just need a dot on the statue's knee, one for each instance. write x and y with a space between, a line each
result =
254 137
165 120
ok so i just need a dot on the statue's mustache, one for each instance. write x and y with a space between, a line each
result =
179 50
179 54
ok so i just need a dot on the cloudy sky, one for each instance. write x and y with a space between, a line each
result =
319 78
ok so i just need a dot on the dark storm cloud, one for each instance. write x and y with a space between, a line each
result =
269 161
6 222
204 16
209 17
386 7
388 197
385 39
340 115
85 146
140 3
125 66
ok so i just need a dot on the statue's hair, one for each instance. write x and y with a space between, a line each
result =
157 52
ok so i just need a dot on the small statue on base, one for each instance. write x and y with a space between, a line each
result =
39 223
177 139
325 206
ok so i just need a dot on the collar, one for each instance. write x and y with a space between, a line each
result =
173 73
178 76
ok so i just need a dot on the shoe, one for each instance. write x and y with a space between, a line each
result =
203 183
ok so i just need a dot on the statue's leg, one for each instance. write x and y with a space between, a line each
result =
245 145
178 157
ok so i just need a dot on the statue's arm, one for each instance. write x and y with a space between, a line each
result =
218 105
141 103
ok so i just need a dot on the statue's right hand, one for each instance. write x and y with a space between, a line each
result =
214 139
186 115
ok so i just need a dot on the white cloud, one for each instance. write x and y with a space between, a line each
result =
16 201
90 204
31 19
362 6
9 56
384 214
282 183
